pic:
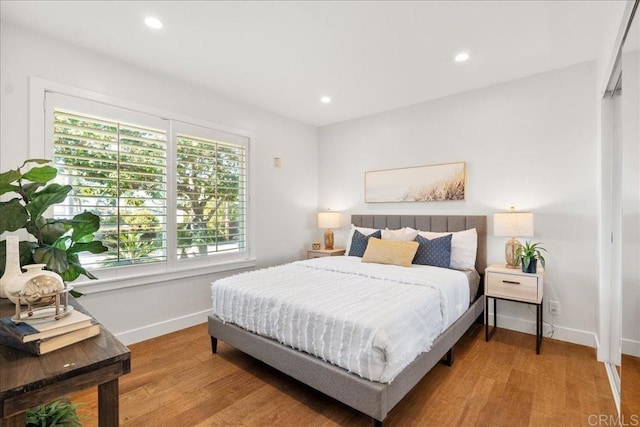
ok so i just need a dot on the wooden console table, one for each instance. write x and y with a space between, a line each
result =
27 381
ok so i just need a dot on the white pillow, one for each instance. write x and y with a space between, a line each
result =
464 245
363 230
406 234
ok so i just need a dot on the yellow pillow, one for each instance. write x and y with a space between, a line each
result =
394 252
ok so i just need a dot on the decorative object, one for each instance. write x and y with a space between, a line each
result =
57 241
12 271
328 220
315 246
34 286
512 224
529 254
416 184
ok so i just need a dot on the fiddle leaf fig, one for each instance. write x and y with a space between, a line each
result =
58 241
14 215
41 175
48 196
56 259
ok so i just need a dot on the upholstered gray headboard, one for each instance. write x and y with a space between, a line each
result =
436 223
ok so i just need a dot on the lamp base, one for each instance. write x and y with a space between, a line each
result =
510 249
328 239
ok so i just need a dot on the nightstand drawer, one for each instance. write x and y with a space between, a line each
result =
513 286
320 253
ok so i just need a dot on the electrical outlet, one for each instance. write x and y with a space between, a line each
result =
554 307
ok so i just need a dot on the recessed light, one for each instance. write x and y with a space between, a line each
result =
461 57
153 22
325 99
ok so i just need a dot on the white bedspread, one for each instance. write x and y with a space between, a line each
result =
370 319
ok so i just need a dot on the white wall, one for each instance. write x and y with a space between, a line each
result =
631 202
530 143
285 200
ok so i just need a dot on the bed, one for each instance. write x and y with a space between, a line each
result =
373 398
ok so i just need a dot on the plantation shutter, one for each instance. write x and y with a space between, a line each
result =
210 193
118 171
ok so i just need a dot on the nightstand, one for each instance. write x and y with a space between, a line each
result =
319 253
513 285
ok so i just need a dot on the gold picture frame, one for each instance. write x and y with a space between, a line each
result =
431 183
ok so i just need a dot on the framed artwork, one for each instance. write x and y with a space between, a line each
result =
431 183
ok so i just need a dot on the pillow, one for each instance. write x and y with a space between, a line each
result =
395 252
359 242
435 252
406 234
362 230
464 245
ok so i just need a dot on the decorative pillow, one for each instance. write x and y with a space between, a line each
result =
362 230
435 252
464 245
395 252
406 234
359 242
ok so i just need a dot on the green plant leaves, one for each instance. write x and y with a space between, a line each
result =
14 215
58 241
48 196
84 224
56 259
42 174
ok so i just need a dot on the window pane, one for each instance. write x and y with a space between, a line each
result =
118 171
210 197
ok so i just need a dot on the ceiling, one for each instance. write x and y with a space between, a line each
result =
368 56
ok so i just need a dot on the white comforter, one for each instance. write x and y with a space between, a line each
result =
370 319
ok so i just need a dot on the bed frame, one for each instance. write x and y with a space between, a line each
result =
371 398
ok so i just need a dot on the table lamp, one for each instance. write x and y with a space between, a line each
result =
328 220
512 224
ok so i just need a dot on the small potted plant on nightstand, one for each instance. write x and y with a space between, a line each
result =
529 254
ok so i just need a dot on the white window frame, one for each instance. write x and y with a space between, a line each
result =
41 146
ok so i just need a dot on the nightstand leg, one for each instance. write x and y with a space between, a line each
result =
488 334
539 326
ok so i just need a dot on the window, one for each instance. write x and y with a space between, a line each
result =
166 191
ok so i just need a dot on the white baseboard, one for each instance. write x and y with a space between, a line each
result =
631 347
561 333
161 328
614 381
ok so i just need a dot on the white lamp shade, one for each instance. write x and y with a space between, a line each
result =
513 224
329 219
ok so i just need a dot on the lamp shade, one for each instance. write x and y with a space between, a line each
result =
329 219
513 224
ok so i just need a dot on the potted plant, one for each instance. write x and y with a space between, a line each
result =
56 242
529 254
58 413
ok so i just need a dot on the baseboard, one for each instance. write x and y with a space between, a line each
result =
630 347
614 381
161 328
561 333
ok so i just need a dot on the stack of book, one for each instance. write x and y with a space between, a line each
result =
46 336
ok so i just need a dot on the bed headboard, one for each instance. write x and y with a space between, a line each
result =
436 223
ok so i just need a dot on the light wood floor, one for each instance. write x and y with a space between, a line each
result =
176 381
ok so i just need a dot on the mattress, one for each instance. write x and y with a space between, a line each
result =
370 319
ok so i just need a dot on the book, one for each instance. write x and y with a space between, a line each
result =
44 346
32 331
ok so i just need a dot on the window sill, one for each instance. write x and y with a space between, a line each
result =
127 281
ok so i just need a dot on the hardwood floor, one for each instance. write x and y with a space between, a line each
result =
175 380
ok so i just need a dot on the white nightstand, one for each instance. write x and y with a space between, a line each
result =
513 285
319 253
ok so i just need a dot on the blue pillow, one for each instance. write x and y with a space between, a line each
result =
359 242
435 252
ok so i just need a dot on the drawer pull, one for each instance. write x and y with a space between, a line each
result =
511 282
